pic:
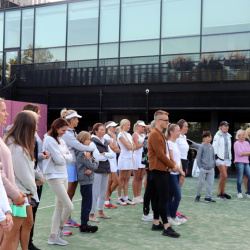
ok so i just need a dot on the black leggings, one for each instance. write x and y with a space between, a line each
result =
147 194
159 194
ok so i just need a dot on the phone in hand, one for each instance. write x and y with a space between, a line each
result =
33 202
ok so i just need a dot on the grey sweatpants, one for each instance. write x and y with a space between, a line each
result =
206 175
99 188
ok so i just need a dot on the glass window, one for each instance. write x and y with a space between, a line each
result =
1 31
181 17
226 42
140 20
108 50
109 21
82 52
180 45
144 48
12 29
49 55
27 29
50 26
83 23
225 16
26 56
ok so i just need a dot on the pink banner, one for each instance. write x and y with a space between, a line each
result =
14 107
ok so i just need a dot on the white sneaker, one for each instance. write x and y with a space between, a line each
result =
151 215
57 241
121 202
136 200
248 195
173 222
181 220
240 196
147 218
129 202
140 199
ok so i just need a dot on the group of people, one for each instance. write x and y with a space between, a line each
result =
101 161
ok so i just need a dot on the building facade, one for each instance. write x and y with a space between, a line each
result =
101 56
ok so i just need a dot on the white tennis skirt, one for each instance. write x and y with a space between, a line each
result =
125 163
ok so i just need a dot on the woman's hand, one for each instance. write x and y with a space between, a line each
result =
7 224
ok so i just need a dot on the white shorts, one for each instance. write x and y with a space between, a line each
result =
219 162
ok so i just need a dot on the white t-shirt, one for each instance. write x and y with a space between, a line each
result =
183 146
176 153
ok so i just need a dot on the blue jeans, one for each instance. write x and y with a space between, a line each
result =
174 195
242 168
86 192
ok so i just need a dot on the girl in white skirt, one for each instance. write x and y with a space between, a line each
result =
125 162
139 168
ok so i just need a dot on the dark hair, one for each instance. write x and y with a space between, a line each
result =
58 123
33 107
206 134
23 131
96 128
181 122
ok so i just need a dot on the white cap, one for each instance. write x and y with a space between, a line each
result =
73 115
112 124
141 124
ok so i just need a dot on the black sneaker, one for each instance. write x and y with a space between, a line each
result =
170 232
227 196
220 197
209 200
33 247
88 229
157 227
197 198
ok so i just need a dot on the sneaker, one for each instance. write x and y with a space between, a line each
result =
240 196
110 205
227 196
181 215
220 197
140 199
33 247
129 202
209 200
88 229
57 241
147 218
197 198
121 202
71 223
137 200
93 219
180 220
173 222
158 227
248 195
66 232
170 232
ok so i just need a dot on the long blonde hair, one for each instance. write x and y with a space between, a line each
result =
123 122
170 128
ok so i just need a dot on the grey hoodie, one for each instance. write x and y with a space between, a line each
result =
205 156
83 165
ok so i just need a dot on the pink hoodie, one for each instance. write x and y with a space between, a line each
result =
7 172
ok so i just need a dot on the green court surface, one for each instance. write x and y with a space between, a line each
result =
221 225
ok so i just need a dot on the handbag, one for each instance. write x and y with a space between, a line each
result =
195 170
